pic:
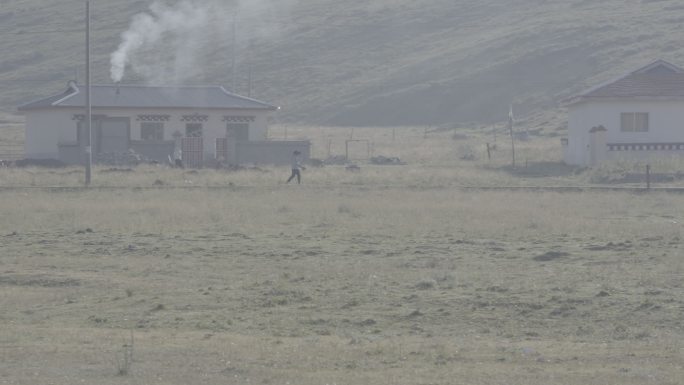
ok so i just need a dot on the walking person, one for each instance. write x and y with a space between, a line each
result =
178 157
296 167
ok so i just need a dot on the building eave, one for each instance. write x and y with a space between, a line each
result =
58 107
75 91
228 100
589 99
578 98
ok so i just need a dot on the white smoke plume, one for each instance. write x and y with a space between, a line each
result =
170 42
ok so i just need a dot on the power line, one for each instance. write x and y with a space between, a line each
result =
255 20
48 31
80 30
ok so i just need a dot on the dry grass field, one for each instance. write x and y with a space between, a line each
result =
391 275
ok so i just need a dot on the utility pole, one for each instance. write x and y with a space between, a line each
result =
510 128
233 53
249 75
89 109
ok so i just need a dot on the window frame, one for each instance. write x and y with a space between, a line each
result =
240 131
158 131
629 120
194 127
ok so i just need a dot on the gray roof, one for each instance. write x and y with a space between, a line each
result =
658 80
133 96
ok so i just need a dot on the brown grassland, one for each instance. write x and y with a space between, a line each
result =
389 275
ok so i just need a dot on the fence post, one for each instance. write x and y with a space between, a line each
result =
648 177
489 153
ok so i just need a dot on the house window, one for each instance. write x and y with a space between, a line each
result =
81 134
152 131
634 122
237 131
193 130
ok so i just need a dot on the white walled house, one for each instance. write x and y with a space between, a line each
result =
639 116
208 123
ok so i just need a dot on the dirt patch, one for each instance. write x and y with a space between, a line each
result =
543 169
38 280
550 256
117 170
609 246
47 163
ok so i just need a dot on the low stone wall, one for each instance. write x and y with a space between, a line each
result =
73 153
158 151
644 151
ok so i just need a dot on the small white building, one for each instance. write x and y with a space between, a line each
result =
635 117
207 123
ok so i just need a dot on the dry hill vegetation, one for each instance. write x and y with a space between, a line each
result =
355 62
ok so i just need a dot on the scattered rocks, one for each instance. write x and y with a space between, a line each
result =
386 161
47 163
126 158
337 160
117 170
317 163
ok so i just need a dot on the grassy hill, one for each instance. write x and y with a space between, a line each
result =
387 62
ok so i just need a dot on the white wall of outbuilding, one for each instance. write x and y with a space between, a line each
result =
666 125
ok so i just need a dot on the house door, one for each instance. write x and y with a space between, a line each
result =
193 151
114 135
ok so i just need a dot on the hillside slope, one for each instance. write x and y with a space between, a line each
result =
388 62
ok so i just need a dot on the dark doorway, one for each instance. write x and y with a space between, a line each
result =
114 135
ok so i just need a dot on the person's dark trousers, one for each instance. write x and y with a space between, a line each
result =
179 163
295 173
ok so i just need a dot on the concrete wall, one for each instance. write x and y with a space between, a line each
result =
45 129
159 151
70 153
644 155
666 124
